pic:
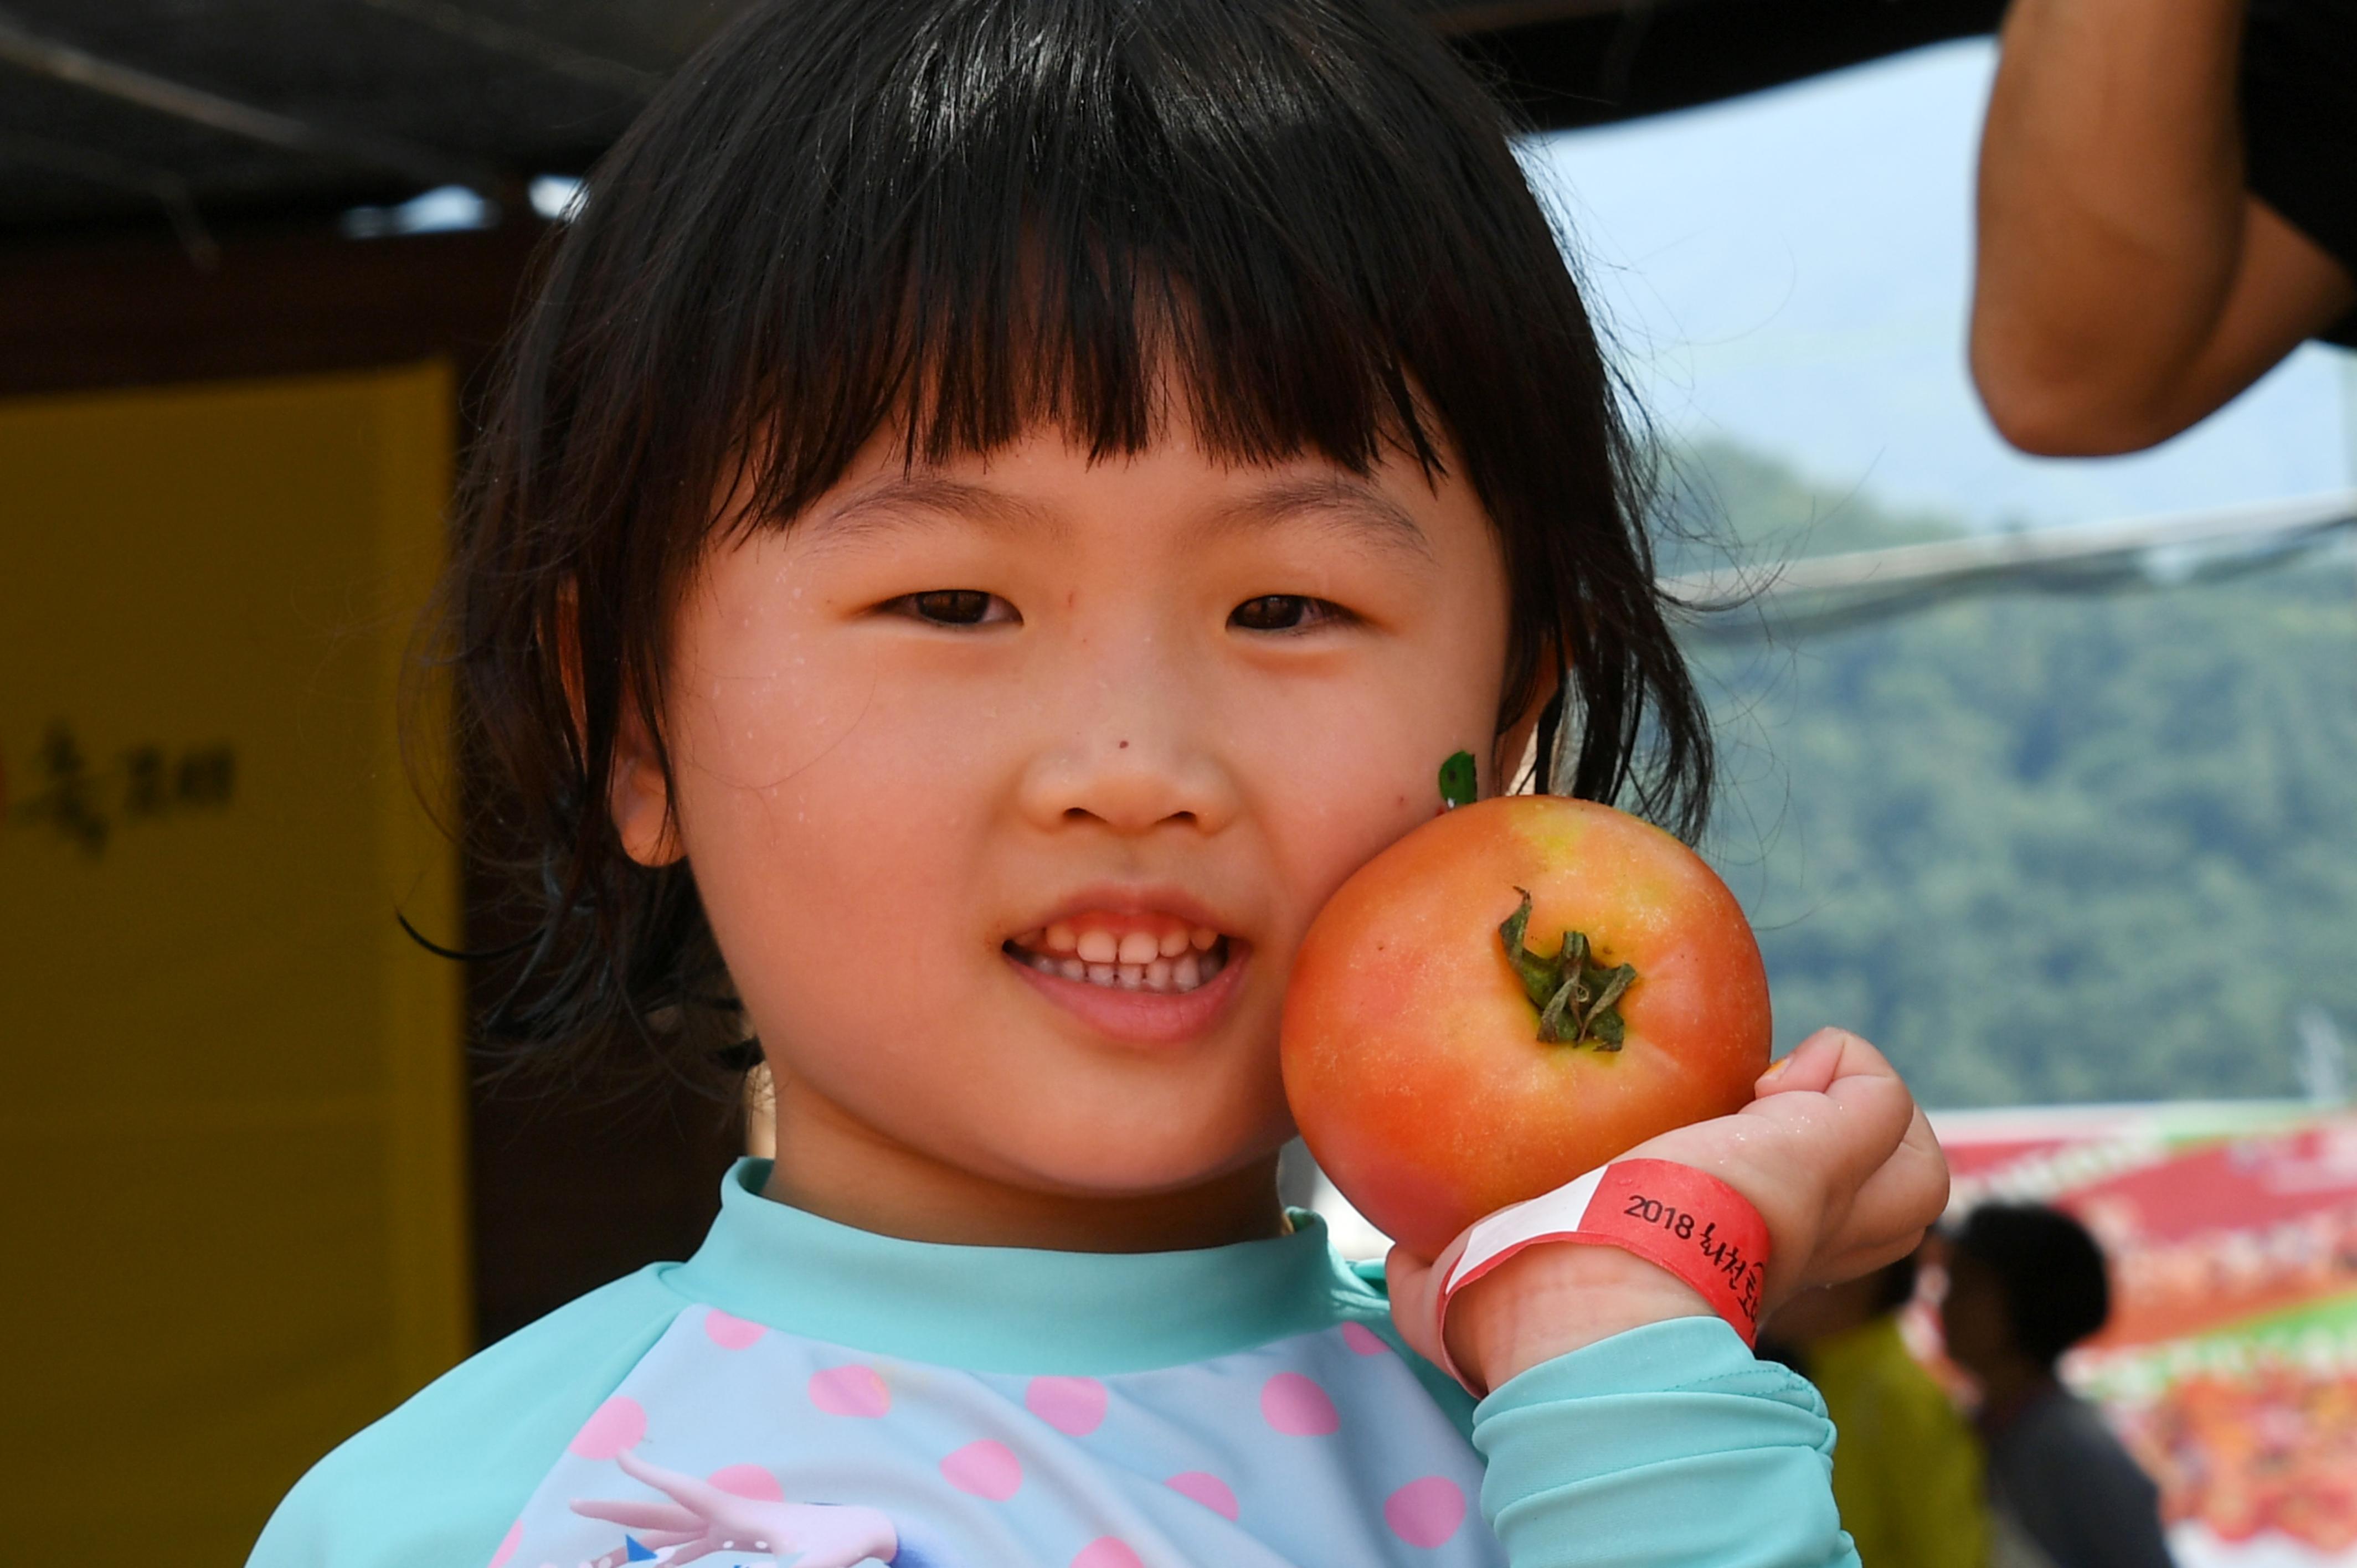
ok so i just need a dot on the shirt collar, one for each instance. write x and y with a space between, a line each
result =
1011 1309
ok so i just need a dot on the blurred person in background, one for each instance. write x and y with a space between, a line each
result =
1906 1468
2167 207
2025 1284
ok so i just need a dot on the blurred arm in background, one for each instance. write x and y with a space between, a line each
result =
2161 218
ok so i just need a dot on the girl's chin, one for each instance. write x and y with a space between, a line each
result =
1150 1018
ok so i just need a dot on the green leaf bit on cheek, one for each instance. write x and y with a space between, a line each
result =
1460 782
1578 998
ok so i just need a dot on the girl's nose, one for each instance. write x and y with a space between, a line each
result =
1131 778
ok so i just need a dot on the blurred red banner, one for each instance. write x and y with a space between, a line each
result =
2229 1364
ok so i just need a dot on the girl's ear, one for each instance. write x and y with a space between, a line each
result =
1511 760
639 797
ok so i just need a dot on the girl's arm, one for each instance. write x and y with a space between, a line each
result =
440 1479
1667 1445
1627 1425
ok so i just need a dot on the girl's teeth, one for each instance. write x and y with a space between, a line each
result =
1174 961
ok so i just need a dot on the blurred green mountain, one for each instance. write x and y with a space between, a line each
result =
2039 848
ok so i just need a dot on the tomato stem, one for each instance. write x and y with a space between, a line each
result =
1459 781
1578 998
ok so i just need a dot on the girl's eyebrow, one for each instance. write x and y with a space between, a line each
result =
889 505
1352 507
1356 509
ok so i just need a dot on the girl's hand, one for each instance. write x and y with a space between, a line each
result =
1834 1153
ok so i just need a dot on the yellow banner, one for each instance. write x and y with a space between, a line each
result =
232 1130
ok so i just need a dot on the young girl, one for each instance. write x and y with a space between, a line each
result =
1002 507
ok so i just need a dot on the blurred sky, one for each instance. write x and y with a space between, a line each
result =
1792 270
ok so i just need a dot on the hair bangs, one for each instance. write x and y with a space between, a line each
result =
1085 243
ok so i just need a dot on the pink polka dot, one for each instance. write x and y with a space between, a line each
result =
1425 1512
985 1470
1073 1406
507 1543
749 1481
1363 1339
855 1390
1106 1552
1207 1489
620 1424
731 1333
1297 1407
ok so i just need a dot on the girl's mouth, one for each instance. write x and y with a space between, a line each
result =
1125 952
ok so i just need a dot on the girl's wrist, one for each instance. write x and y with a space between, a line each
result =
1549 1301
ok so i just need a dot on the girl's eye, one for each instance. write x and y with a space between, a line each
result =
1285 612
957 606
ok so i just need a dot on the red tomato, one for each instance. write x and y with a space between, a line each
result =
1412 1048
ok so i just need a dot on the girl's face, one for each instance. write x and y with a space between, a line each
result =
1011 785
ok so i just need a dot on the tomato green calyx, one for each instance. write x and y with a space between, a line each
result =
1578 998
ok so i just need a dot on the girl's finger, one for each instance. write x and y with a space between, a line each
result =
1844 1132
1810 1068
1863 1259
1907 1193
1856 1118
1857 1056
1879 1111
1411 1283
1891 1211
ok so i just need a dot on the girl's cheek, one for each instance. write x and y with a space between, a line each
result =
1365 789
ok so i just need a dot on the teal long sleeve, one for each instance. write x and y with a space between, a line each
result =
1665 1446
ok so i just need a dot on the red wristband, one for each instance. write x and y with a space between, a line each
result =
1673 1216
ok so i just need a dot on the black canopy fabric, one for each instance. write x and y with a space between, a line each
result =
193 111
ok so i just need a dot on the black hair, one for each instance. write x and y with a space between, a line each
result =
2049 1269
1298 223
